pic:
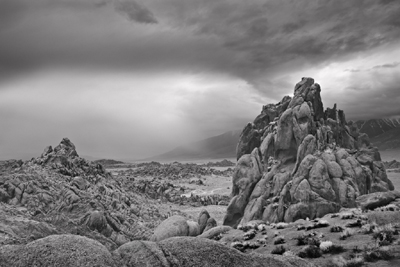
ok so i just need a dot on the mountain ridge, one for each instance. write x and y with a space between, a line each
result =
215 147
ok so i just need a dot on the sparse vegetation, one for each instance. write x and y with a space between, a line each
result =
346 233
279 250
309 239
310 251
368 228
378 253
382 218
279 240
384 235
337 229
329 247
342 262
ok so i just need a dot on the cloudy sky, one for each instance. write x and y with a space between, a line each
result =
129 79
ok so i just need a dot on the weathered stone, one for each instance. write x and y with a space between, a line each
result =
202 220
57 250
311 165
173 226
246 175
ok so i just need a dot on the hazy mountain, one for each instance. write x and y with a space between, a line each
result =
384 133
216 147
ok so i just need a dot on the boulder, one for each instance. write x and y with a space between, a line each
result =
246 175
175 226
375 200
211 223
57 250
202 220
193 252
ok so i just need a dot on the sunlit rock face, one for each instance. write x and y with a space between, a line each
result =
297 161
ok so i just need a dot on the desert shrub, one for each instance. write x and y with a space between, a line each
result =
368 228
336 229
342 262
356 223
310 251
354 262
375 254
301 240
279 240
384 235
249 235
309 239
382 218
346 233
279 250
329 247
346 216
325 246
281 225
321 223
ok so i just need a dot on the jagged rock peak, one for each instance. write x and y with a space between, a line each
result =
297 161
66 148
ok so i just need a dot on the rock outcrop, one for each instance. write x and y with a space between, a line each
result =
60 192
297 161
192 252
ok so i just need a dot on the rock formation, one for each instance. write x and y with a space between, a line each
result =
297 161
60 192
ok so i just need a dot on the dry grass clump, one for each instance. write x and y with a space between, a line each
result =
368 228
279 240
382 218
377 253
337 229
346 233
384 235
342 262
329 247
310 251
309 239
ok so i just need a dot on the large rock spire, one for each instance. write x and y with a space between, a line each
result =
297 161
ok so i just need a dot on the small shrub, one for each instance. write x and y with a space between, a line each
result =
279 250
309 239
310 251
301 240
347 216
281 225
342 262
384 235
356 223
376 254
279 240
346 233
325 246
355 262
368 228
249 235
337 229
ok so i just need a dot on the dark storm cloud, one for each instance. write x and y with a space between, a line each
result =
135 11
267 37
256 41
388 65
263 46
369 94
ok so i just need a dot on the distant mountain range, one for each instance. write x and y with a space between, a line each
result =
384 133
217 147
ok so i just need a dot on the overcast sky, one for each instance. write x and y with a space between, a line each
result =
129 79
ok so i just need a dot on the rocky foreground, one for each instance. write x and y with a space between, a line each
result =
308 190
